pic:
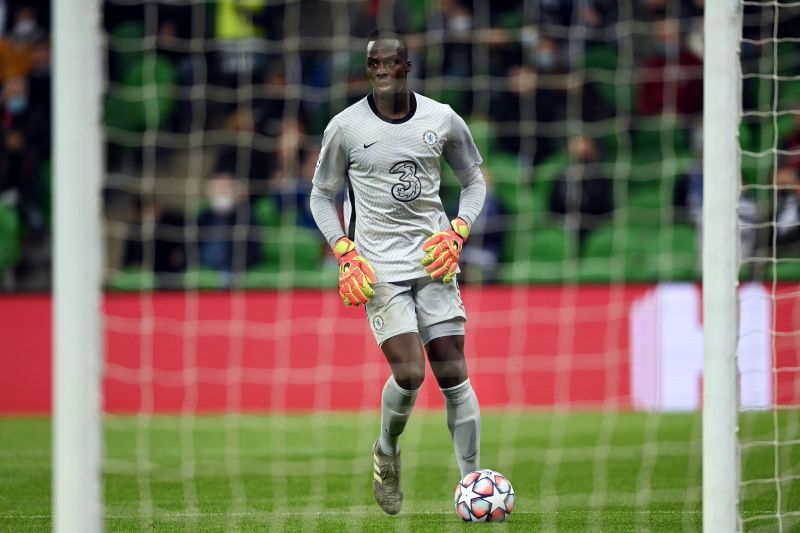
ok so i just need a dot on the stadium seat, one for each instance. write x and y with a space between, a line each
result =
659 135
784 270
294 248
133 280
761 137
600 57
678 253
9 237
601 64
145 98
788 95
455 98
131 33
551 167
266 212
639 253
544 175
419 15
270 276
483 134
510 182
650 203
538 255
203 279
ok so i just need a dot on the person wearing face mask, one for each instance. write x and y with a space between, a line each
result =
546 56
16 48
536 93
228 242
25 144
671 75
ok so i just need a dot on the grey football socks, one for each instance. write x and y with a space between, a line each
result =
396 406
464 422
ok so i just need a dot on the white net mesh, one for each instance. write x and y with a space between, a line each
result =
240 393
769 142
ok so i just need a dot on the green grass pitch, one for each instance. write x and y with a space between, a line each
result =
570 471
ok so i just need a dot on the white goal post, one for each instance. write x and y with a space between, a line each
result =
721 113
77 311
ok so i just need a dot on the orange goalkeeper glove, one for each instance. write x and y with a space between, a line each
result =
355 274
443 250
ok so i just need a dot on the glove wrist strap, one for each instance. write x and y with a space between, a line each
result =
460 226
342 247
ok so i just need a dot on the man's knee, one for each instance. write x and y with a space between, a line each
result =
405 356
411 379
451 373
447 361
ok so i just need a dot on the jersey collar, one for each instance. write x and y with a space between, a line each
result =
412 108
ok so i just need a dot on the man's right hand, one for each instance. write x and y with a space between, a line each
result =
355 274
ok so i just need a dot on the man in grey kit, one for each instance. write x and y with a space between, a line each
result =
398 253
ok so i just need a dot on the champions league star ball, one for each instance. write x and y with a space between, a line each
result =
484 496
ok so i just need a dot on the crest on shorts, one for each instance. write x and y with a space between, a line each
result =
377 322
430 137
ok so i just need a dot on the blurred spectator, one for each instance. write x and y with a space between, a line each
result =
672 75
155 240
688 200
688 194
291 143
590 14
274 101
40 77
228 241
534 102
455 19
675 9
25 144
293 195
787 208
247 156
240 30
791 145
16 48
584 192
367 15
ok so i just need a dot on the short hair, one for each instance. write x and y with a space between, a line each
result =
385 32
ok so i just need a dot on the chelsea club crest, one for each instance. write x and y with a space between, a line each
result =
430 137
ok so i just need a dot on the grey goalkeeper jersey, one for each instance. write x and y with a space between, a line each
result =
391 171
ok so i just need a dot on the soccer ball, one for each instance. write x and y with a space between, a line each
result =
484 496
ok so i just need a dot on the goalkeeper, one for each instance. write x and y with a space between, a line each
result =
398 253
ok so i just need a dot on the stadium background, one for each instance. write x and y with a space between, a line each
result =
203 88
584 264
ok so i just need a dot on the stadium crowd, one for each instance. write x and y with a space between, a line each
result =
585 111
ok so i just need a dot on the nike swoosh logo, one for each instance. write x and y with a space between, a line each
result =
368 145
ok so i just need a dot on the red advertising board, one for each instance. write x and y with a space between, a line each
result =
578 347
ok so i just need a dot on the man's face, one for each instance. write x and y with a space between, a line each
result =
386 67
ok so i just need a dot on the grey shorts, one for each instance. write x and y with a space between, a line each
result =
424 305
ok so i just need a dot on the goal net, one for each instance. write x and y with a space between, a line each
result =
768 138
239 393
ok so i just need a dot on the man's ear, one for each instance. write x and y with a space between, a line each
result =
408 66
